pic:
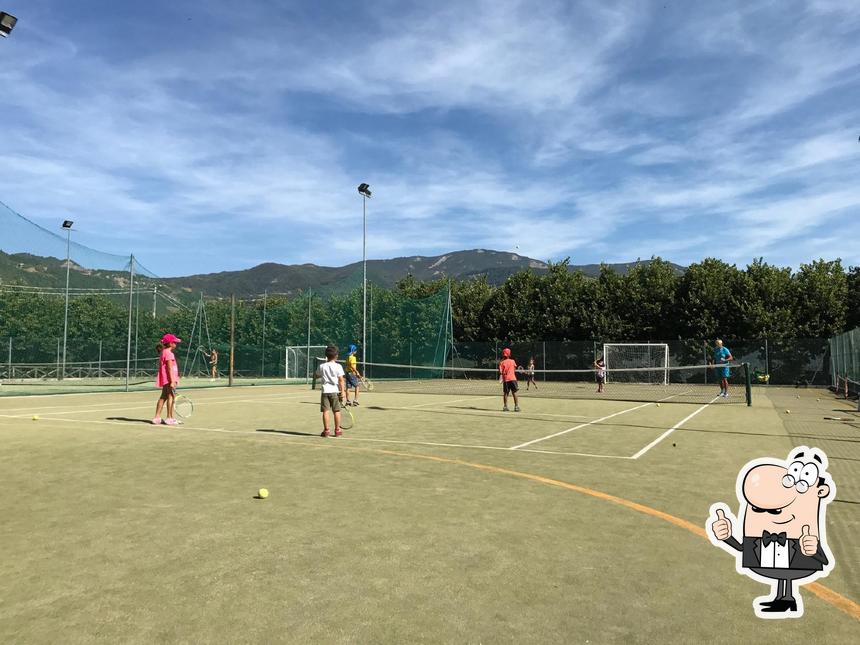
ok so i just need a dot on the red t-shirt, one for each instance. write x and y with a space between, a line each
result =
508 369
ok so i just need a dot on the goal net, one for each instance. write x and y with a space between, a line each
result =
300 361
644 362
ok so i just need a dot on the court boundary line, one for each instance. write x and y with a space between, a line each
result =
310 436
672 429
577 427
827 595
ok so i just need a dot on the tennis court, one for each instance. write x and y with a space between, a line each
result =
437 518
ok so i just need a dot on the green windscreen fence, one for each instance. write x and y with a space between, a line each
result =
845 363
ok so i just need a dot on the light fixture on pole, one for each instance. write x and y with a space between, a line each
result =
67 225
7 24
364 191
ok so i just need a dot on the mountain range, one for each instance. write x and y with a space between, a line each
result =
497 266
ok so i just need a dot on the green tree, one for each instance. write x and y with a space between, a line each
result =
822 299
770 302
853 303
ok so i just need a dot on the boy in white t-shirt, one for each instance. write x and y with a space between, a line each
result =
333 388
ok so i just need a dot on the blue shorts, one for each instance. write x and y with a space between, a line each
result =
351 380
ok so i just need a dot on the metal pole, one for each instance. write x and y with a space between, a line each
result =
58 356
766 361
308 348
232 337
263 359
130 311
371 330
154 299
136 329
66 315
9 374
100 359
364 290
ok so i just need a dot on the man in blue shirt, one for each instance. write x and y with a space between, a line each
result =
723 356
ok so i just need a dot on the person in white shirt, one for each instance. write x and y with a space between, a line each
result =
333 389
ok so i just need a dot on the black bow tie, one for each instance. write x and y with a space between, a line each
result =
767 537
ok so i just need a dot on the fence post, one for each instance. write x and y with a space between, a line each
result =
766 361
9 373
59 376
544 359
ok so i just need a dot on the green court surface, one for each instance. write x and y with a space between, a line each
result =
437 518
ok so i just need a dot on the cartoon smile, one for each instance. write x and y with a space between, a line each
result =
786 521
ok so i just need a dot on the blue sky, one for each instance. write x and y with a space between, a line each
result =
206 136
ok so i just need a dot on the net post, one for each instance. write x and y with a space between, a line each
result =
747 383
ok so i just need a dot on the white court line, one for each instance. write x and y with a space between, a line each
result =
460 445
672 429
424 405
203 388
119 407
581 425
282 435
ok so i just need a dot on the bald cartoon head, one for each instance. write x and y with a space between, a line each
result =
785 498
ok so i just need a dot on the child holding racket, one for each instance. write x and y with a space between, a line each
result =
508 378
332 390
353 376
530 373
600 366
167 379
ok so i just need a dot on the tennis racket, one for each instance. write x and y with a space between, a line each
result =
367 384
183 407
347 420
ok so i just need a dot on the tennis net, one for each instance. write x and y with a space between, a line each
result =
685 384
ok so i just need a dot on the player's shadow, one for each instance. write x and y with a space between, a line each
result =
289 432
129 420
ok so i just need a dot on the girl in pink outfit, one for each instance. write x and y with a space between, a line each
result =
167 380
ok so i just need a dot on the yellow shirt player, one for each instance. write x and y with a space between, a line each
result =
353 376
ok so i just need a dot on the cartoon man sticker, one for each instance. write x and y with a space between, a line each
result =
782 504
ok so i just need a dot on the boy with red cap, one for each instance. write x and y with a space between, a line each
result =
167 379
508 379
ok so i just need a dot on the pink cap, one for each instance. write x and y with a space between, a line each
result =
169 338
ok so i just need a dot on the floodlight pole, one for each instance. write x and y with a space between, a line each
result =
364 288
62 373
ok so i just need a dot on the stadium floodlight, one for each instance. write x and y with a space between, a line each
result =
7 24
364 191
67 226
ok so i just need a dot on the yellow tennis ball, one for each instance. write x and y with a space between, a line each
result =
658 405
788 411
35 417
263 493
819 400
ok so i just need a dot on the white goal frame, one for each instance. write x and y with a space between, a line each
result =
291 354
665 361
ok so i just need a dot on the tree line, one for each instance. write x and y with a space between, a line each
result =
652 301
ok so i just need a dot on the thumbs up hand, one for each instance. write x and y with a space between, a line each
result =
808 543
722 527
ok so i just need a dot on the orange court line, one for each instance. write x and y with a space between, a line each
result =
839 601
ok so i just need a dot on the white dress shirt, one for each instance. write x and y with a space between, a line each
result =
774 556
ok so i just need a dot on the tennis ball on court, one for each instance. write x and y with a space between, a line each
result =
819 400
35 417
263 493
788 411
658 405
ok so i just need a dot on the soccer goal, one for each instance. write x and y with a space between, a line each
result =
300 361
637 362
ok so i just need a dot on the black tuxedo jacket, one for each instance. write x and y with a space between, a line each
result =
751 548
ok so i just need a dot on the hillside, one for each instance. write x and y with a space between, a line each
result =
33 270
